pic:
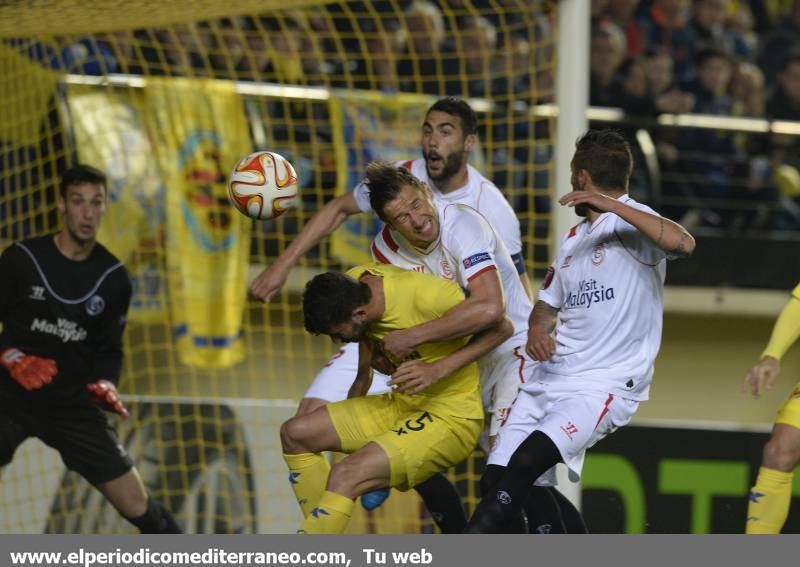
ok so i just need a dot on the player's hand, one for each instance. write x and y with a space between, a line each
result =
400 343
104 395
269 282
413 376
382 364
596 201
541 345
31 372
761 376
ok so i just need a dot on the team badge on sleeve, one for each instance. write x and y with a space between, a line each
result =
476 259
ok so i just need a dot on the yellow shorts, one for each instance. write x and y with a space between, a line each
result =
789 412
418 443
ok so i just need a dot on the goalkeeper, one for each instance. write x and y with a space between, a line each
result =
63 305
429 422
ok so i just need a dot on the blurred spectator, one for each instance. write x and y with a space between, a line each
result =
664 27
747 90
778 43
478 69
784 104
426 60
741 21
605 58
784 101
622 13
514 64
598 10
709 30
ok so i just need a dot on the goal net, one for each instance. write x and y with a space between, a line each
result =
165 97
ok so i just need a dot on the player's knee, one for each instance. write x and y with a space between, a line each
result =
293 434
781 453
308 405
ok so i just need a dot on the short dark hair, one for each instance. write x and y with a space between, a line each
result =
78 174
606 156
385 181
457 107
709 53
330 299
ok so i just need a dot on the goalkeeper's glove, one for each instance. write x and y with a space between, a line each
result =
104 395
31 372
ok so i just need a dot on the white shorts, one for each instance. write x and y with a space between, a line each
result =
503 371
334 380
573 420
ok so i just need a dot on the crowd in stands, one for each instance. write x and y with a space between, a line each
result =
727 58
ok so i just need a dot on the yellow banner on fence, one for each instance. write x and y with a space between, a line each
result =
26 89
199 131
110 134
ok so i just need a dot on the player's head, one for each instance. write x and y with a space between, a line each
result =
602 158
334 304
82 201
403 202
448 135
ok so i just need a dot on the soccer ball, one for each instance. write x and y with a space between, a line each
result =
263 185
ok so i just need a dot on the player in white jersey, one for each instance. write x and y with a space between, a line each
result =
606 287
454 242
448 134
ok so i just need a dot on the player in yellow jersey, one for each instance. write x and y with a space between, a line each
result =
769 499
428 423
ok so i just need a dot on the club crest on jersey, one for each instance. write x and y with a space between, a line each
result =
566 262
598 254
447 272
95 305
37 292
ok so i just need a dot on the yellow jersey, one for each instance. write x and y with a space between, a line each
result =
412 298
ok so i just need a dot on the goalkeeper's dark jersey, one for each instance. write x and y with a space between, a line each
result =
71 311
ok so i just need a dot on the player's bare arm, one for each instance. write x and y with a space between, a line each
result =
542 323
484 306
666 234
363 380
413 376
324 222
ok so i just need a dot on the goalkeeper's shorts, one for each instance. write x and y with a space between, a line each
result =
81 434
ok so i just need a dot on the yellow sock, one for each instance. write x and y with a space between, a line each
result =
769 501
308 475
330 516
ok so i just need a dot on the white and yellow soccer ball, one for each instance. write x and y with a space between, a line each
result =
263 185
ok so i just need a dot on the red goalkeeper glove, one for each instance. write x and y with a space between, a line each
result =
104 395
31 372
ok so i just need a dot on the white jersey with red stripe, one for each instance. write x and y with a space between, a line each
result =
479 193
607 282
467 247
